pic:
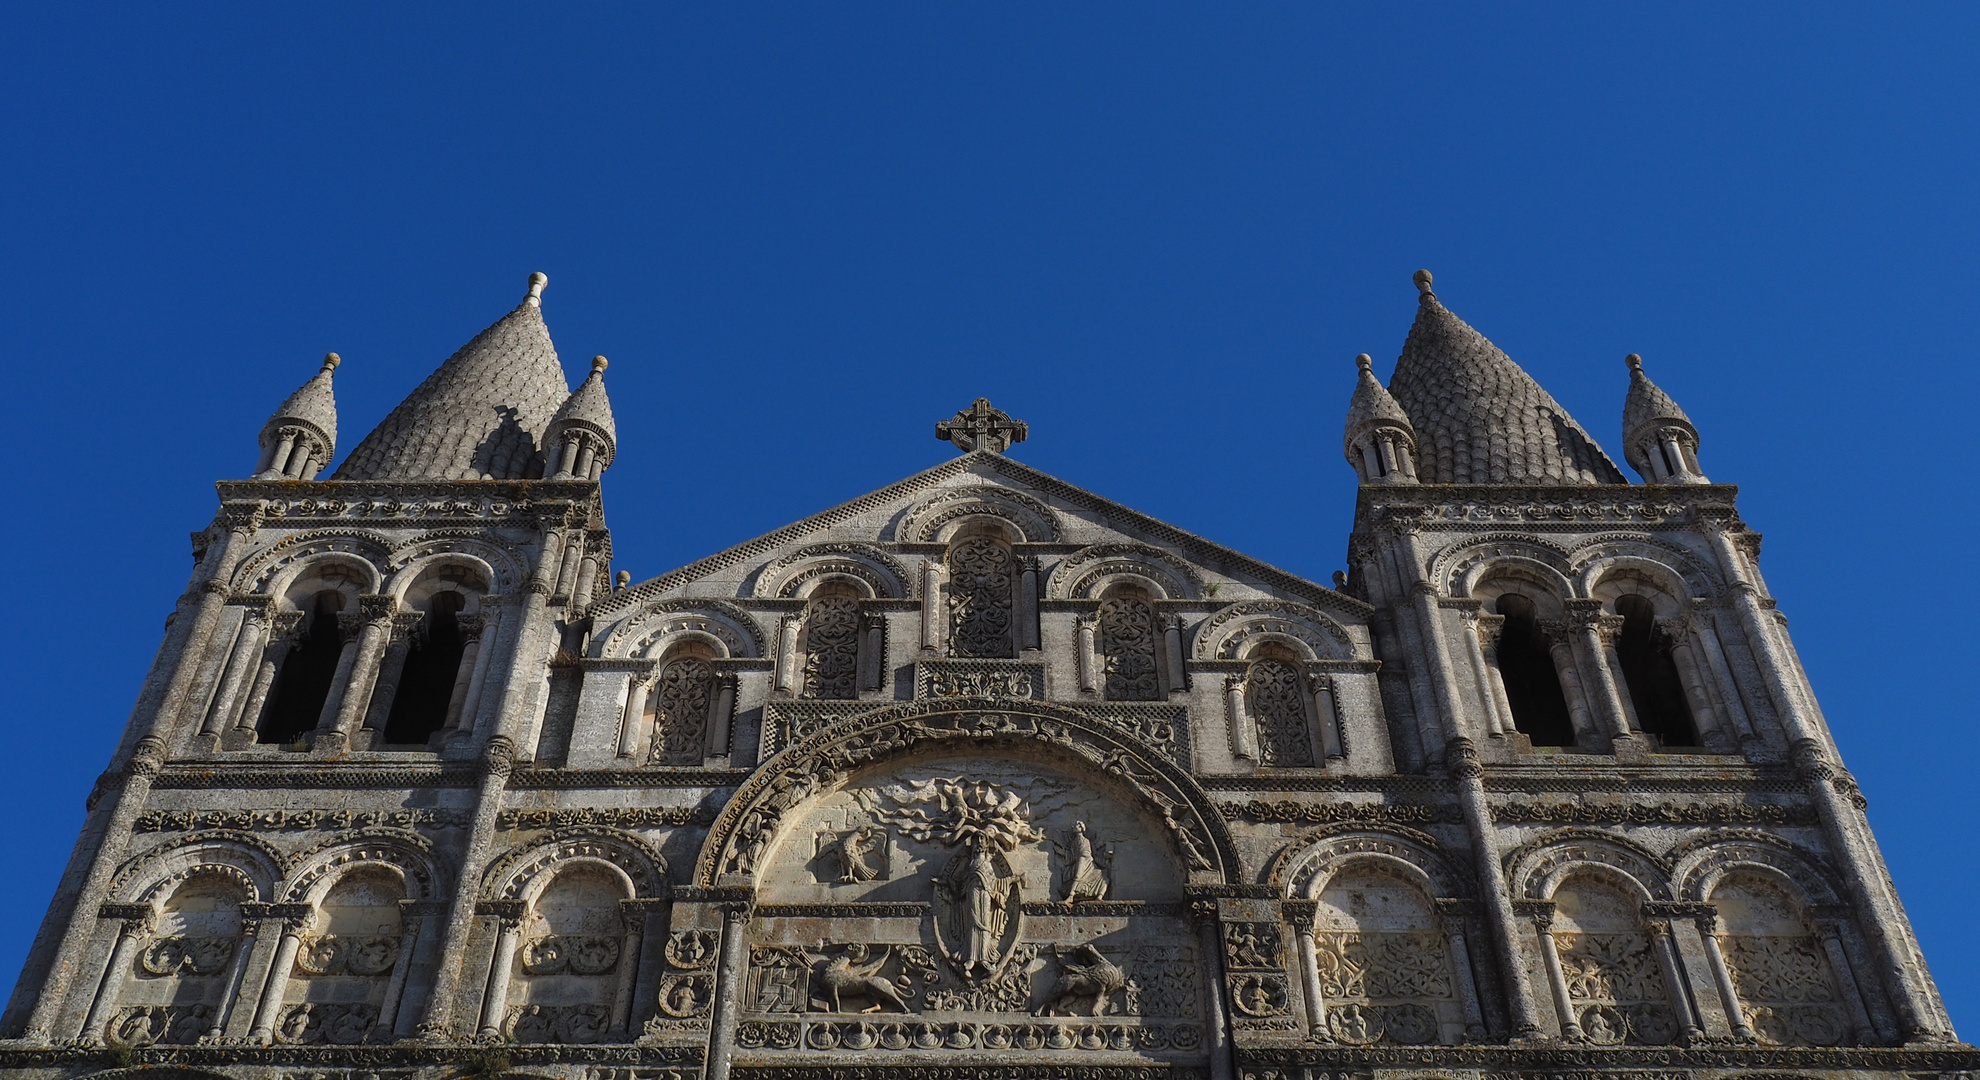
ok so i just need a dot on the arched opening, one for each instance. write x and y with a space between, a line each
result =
433 667
1384 962
1275 698
1652 675
1533 686
337 992
571 962
982 572
1786 984
1612 978
303 683
178 994
831 642
678 708
1127 646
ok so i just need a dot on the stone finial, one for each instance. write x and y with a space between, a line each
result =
1340 580
599 364
1365 362
1422 279
981 427
624 580
536 283
1635 361
330 362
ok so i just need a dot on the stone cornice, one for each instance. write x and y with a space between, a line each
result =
408 503
1545 509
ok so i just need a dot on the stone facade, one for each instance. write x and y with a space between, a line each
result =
977 775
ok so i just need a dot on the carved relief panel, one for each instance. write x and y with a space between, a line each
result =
831 648
1384 963
1128 640
174 991
963 904
1786 986
681 701
1613 982
571 977
1275 696
982 572
343 969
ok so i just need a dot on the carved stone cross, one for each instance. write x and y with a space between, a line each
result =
981 427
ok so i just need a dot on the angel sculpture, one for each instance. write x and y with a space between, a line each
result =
1086 878
855 972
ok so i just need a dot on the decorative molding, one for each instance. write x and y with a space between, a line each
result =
296 820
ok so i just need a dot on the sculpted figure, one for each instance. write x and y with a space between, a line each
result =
1095 979
1085 880
852 973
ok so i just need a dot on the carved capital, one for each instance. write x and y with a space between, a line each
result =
499 758
1300 914
1461 758
1489 628
373 608
1541 912
137 918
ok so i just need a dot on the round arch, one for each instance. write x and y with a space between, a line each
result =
754 819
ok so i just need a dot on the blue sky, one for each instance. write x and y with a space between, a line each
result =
1159 234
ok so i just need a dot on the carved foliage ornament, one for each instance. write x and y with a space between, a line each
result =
1275 695
681 700
1127 641
831 648
981 572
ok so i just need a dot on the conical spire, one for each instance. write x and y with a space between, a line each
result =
481 415
1659 440
1380 442
1479 419
582 438
301 437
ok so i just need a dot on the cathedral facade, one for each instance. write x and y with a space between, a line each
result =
979 775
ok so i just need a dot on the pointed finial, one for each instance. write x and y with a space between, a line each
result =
1422 279
1364 361
330 362
536 283
1634 361
598 365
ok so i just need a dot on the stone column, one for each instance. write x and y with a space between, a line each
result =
241 666
137 922
1836 798
275 988
236 973
1027 603
632 725
472 628
634 918
587 575
113 831
497 761
1587 731
495 623
508 934
1550 957
722 720
1591 631
1326 722
1708 931
1089 657
1217 1037
873 653
789 628
1454 914
395 989
1244 737
350 628
1829 930
1299 915
1611 629
1722 678
1490 629
1488 701
358 676
391 668
278 462
1172 639
729 977
932 615
1711 726
1672 968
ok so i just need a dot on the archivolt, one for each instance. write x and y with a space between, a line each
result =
246 859
651 626
504 564
268 571
1456 570
1536 869
524 873
1082 574
1597 556
407 853
1702 860
884 576
1307 864
743 831
1223 635
925 521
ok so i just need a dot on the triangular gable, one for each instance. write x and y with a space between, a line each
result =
1122 518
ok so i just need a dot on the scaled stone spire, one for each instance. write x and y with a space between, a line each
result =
1480 419
582 439
1380 442
481 416
300 439
1659 441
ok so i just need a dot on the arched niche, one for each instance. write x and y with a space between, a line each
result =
175 989
936 518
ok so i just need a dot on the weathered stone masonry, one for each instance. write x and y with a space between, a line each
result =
978 775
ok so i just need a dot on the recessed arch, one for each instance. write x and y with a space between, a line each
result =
935 518
795 573
650 630
1233 632
1536 869
1086 573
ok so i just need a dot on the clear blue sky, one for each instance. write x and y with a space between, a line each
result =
1158 234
